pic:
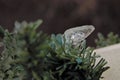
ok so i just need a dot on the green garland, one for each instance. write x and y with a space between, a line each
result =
32 55
103 41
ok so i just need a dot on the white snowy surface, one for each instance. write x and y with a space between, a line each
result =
112 55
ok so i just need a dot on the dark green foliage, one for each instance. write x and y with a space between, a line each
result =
69 63
106 41
32 49
27 49
9 69
32 55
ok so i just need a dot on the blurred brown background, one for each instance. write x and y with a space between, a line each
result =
58 15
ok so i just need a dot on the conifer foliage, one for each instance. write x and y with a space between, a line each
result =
32 55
